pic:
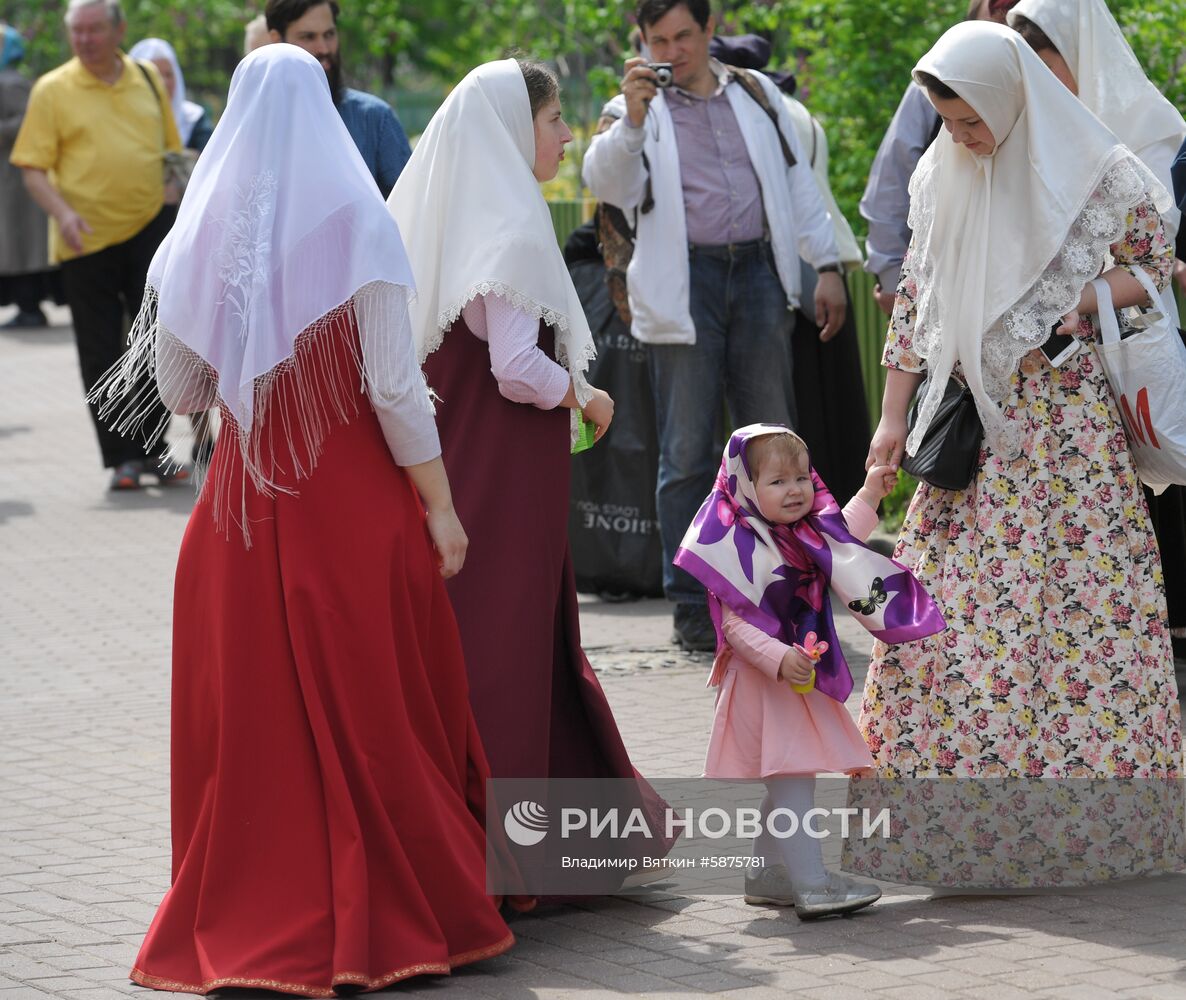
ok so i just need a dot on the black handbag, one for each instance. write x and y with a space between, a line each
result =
949 452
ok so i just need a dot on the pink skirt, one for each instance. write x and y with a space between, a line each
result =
762 728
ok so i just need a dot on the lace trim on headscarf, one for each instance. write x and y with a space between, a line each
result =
282 440
1026 324
576 366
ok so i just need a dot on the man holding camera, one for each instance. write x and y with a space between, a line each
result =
706 168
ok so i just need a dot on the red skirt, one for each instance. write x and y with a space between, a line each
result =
327 775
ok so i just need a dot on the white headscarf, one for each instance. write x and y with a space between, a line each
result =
281 230
476 222
1110 79
1003 244
185 113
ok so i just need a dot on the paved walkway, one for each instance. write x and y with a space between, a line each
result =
85 592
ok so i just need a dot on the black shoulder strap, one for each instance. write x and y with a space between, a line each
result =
754 89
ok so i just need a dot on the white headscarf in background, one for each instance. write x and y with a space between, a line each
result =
475 221
185 113
1112 83
281 230
1003 244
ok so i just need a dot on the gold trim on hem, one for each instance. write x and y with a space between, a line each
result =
142 978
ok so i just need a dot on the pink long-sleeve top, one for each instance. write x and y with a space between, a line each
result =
525 374
754 646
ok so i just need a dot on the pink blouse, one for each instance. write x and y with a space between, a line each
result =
525 374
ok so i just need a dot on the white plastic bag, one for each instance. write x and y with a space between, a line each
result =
1147 372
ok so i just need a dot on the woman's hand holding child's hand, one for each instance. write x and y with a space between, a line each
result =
795 667
878 482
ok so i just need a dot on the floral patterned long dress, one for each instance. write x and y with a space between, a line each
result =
1055 672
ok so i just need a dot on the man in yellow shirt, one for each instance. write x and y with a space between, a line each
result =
91 149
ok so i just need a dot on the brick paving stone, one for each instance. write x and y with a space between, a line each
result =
915 991
714 982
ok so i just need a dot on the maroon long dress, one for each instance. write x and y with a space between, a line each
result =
538 704
327 776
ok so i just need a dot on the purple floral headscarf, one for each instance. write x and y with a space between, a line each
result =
776 576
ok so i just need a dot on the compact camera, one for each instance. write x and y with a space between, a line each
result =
664 74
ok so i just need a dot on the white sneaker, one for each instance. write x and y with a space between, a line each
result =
769 886
838 894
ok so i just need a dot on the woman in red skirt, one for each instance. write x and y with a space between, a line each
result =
327 775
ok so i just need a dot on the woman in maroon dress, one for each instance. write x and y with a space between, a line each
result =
327 775
495 297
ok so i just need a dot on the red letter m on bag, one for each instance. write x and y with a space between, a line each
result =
1134 428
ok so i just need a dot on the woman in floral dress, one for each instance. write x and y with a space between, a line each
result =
1055 674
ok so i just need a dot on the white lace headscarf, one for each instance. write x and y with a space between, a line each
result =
1004 243
475 220
185 113
1110 79
281 233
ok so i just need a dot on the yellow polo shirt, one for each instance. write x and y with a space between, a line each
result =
103 146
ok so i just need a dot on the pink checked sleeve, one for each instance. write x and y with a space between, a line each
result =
751 644
524 373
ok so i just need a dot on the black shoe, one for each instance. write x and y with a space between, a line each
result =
26 321
694 630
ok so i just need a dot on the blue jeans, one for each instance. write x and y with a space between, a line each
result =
742 356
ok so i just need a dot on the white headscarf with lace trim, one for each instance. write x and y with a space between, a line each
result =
1004 243
1112 83
475 221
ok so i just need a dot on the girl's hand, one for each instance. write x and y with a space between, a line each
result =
878 483
795 667
1070 323
599 409
888 444
448 538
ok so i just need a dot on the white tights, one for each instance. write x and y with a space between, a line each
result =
800 852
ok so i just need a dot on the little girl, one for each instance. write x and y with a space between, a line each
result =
768 543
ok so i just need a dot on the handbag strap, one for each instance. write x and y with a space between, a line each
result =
1106 313
1147 283
1109 328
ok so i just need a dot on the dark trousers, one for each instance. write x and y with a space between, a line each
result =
101 288
742 356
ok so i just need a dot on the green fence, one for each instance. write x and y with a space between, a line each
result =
871 321
567 215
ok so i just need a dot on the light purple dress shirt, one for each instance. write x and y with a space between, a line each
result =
722 199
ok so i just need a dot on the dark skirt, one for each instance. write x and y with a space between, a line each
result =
1168 514
538 704
833 417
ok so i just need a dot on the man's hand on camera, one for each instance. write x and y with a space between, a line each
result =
639 86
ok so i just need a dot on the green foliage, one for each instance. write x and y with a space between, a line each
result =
895 505
852 57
